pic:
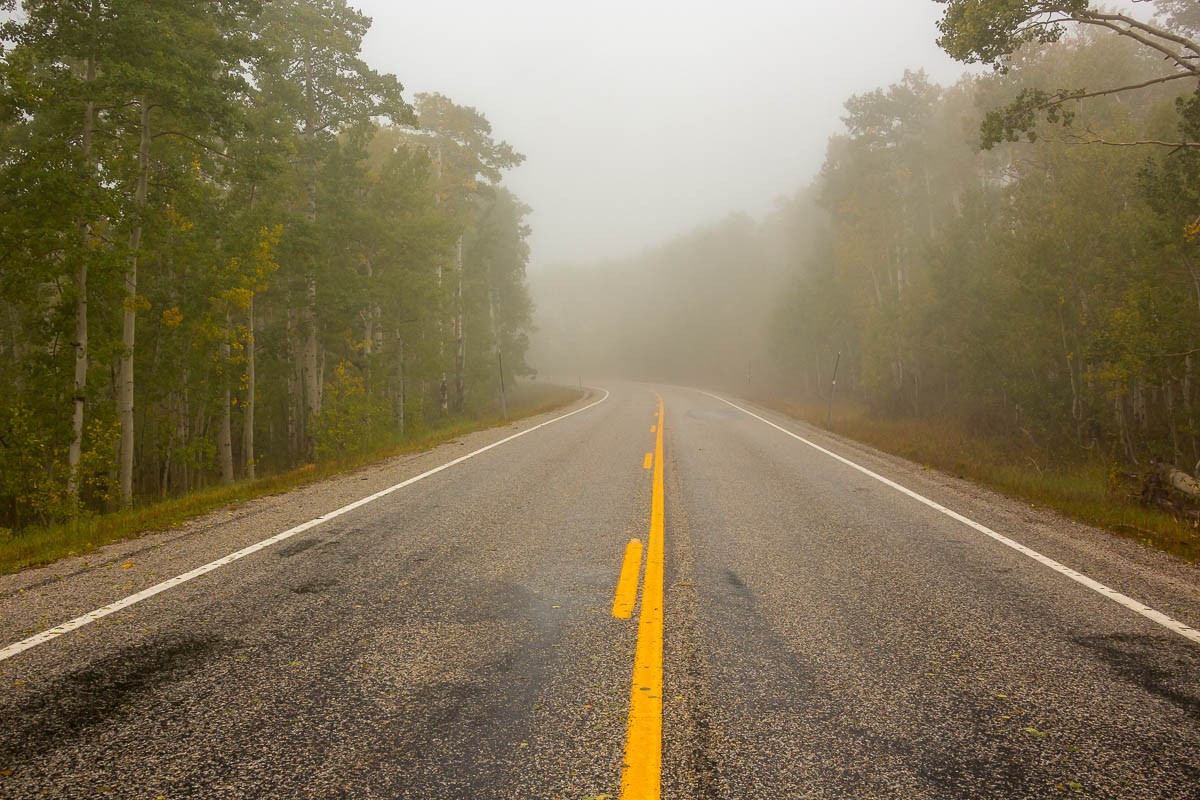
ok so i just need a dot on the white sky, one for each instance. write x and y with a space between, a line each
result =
641 120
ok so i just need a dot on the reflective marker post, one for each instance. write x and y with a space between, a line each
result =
832 390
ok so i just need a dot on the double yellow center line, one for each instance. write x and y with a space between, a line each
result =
641 777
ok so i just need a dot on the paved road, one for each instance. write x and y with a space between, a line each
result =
825 636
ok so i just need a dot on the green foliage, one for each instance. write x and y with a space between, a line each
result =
32 473
998 32
351 420
293 218
97 468
988 31
1043 290
1021 117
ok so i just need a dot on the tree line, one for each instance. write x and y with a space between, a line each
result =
1018 251
227 244
1021 258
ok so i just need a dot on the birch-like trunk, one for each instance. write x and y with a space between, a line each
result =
225 425
125 385
311 371
311 374
372 329
75 452
499 353
248 409
460 347
312 365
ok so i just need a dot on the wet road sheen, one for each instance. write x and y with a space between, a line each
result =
822 635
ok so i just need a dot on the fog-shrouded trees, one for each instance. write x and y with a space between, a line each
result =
468 165
995 32
220 242
1045 286
695 310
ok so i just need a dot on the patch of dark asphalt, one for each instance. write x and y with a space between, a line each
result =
297 547
68 707
315 586
459 712
1154 663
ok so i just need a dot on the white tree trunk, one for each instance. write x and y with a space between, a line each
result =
460 347
248 409
75 452
125 385
225 424
499 354
312 367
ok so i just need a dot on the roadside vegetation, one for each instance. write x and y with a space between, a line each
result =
1092 491
229 248
38 545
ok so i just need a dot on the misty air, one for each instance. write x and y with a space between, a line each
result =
634 401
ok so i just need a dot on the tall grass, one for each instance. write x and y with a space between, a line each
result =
1088 490
37 546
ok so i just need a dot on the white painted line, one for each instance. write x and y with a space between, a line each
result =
1133 605
112 608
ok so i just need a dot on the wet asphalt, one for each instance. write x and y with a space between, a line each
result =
825 636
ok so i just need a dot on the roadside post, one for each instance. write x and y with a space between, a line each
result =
832 391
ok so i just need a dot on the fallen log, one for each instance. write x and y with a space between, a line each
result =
1177 479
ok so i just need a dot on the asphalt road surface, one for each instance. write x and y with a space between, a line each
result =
809 631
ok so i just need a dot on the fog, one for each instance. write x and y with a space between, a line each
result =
641 120
676 160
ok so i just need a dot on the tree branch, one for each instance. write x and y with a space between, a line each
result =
1153 30
196 142
1097 139
1063 96
1153 45
1174 355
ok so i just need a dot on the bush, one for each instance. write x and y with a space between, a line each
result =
350 420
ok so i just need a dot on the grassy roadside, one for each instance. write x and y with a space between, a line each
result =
38 546
1085 490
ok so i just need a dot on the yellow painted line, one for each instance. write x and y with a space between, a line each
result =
648 461
641 777
628 582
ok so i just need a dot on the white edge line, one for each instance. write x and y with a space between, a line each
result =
112 608
1112 594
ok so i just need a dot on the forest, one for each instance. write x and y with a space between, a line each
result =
229 246
1018 252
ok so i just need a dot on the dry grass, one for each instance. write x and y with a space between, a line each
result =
1085 490
37 546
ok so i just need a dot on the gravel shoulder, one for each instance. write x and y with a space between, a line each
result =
1144 573
39 598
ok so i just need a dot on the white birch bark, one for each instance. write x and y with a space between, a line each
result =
248 469
125 385
79 395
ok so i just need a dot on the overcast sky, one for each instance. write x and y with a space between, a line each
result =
641 120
